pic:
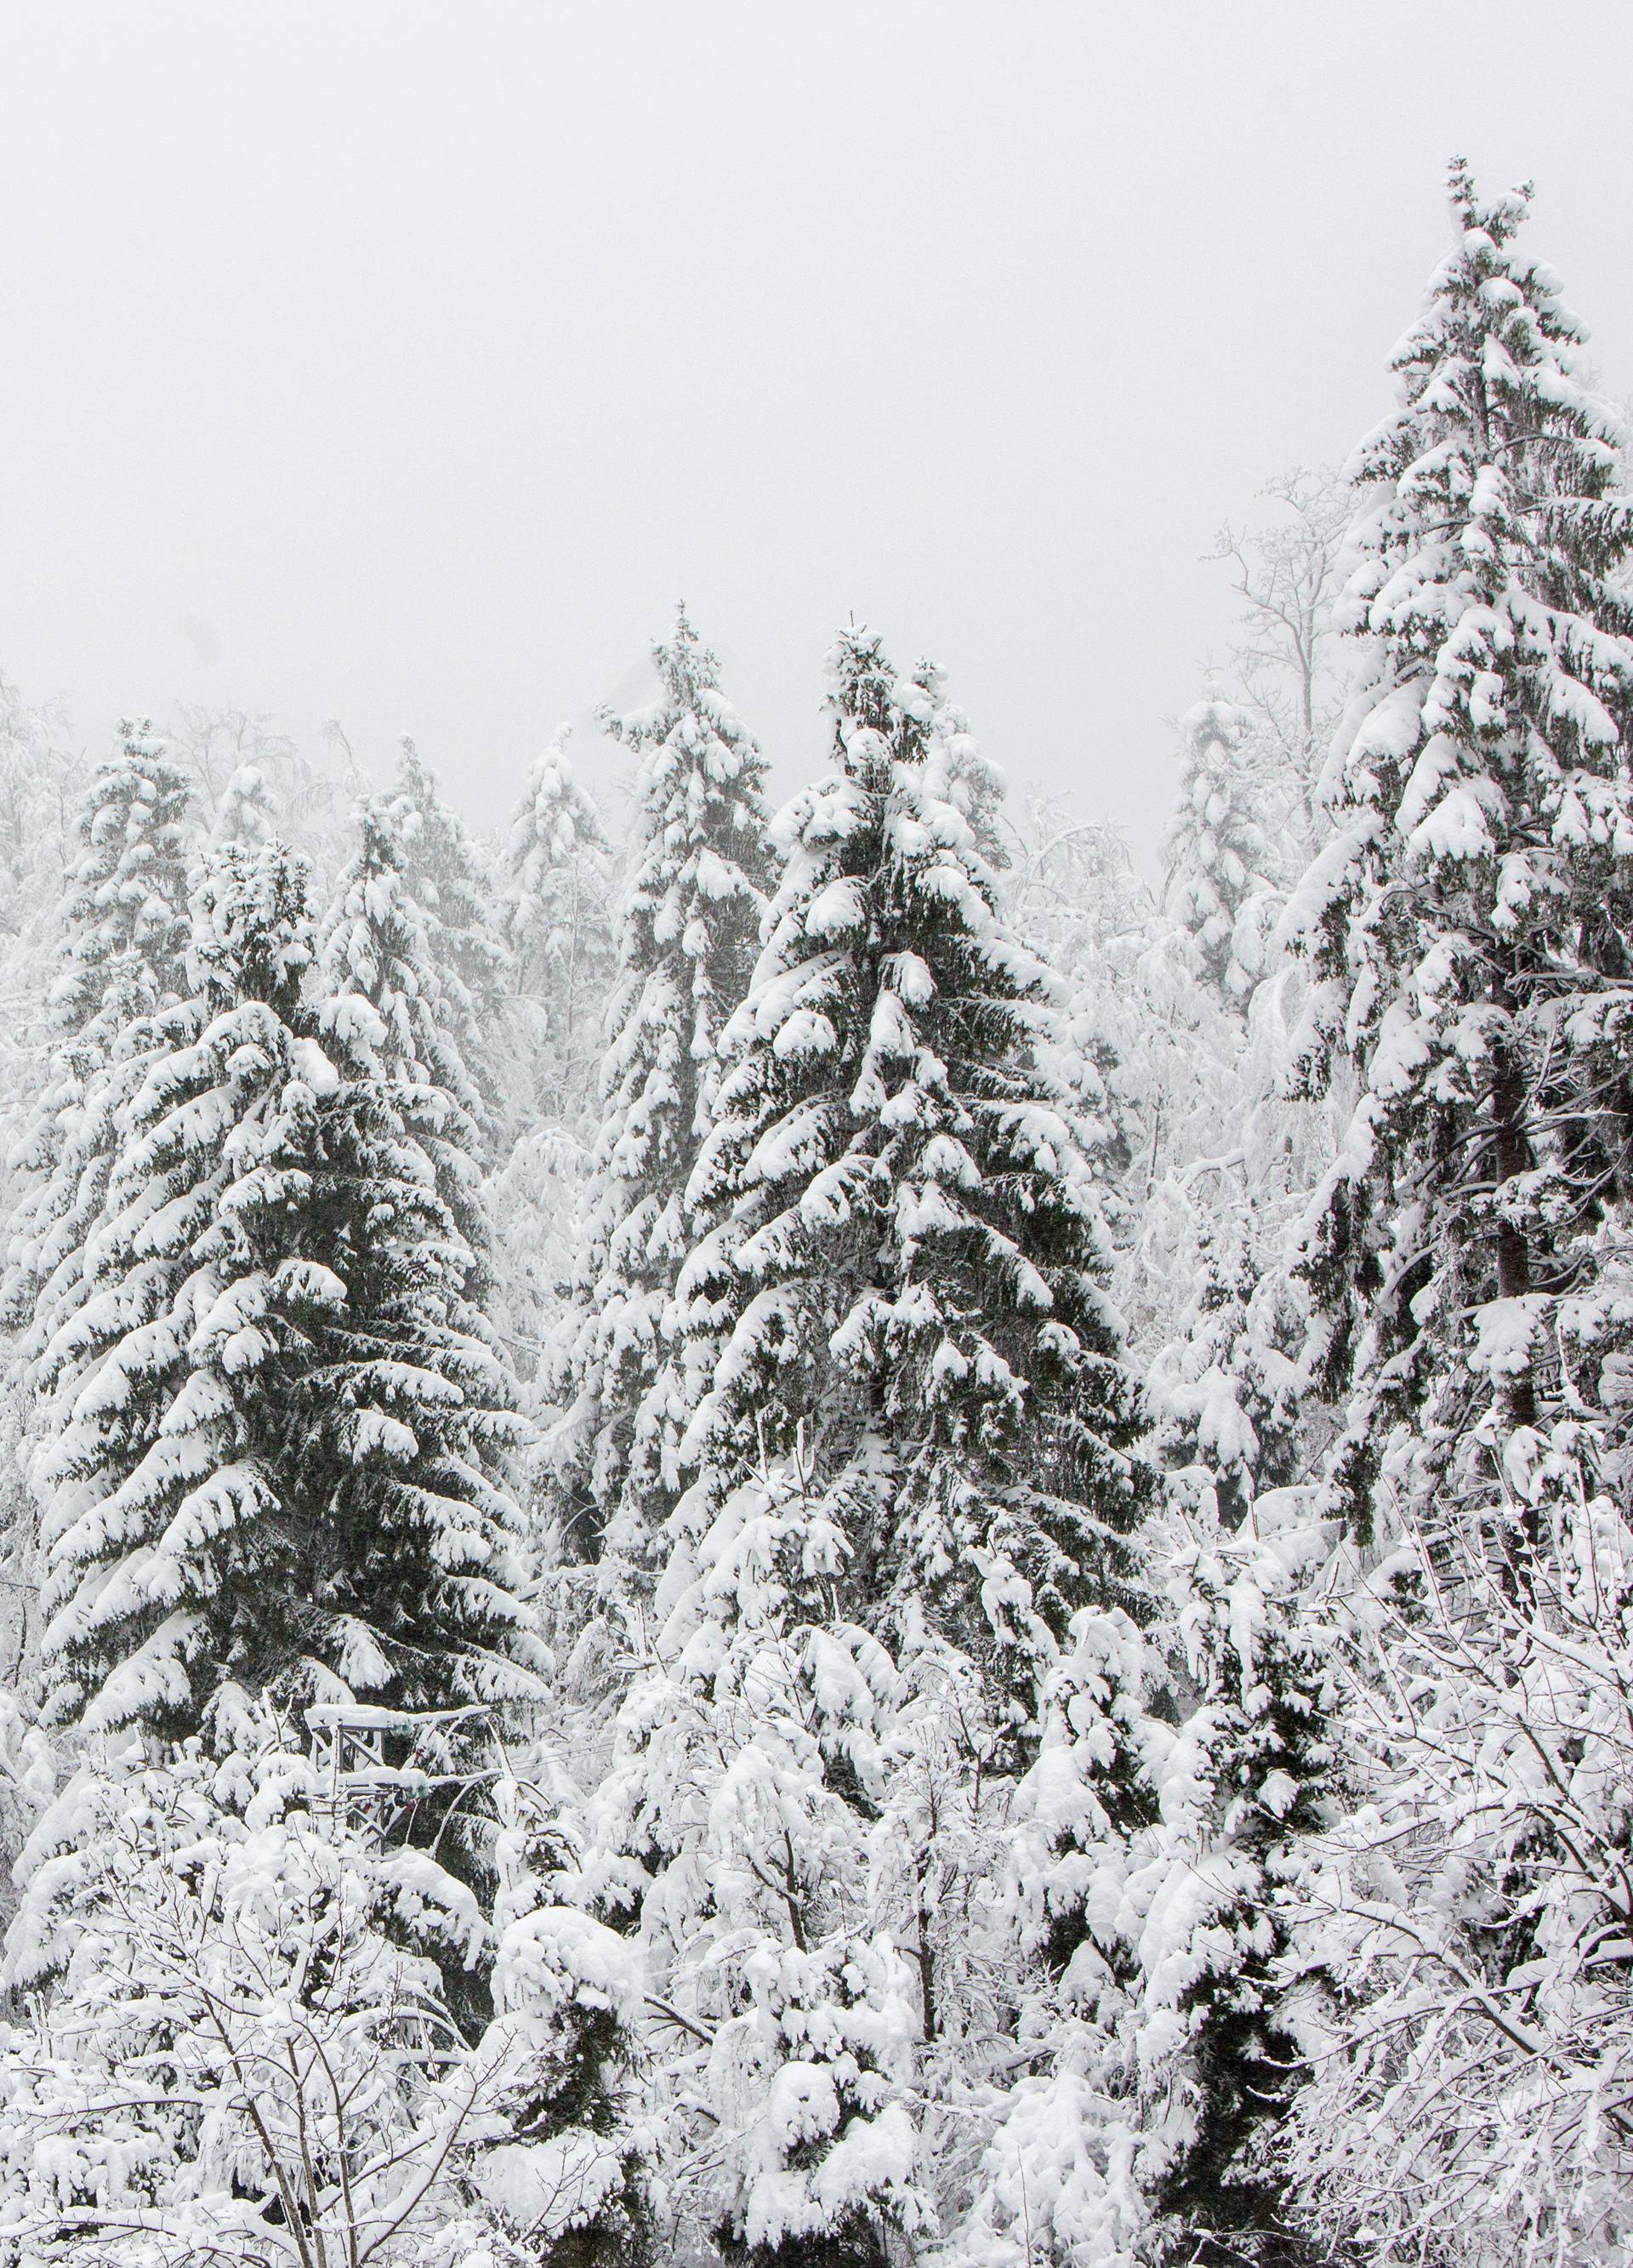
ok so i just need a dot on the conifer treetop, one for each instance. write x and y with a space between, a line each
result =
700 839
1470 921
692 909
379 947
909 1250
555 820
126 908
1218 850
450 881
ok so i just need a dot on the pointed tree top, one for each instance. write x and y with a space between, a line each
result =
251 921
552 779
687 666
871 700
1499 220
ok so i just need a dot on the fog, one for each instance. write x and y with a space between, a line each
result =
402 363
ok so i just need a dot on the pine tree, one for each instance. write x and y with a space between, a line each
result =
170 1556
446 875
905 1258
1470 924
1061 2179
559 928
690 923
406 1421
1250 1781
730 1836
125 934
567 1991
1222 860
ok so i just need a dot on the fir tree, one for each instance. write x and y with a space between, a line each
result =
1221 862
252 1441
406 1419
1061 2177
1249 1783
906 1262
125 935
1469 924
446 875
1229 1389
730 1836
573 2165
126 912
559 928
169 1544
690 925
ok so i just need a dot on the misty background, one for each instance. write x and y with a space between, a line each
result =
402 363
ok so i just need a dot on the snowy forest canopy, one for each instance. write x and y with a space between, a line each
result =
829 1537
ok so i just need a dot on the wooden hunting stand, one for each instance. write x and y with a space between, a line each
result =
351 1744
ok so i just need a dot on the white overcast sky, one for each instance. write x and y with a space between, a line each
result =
402 363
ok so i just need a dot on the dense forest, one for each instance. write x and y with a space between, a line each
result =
829 1537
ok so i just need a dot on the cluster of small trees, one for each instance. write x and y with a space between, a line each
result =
833 1540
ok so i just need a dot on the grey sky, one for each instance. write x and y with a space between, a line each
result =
402 363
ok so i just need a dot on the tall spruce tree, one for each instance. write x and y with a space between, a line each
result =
447 875
691 922
125 935
558 923
278 1420
730 1834
1470 924
407 1417
169 1539
905 1260
1222 857
1247 1786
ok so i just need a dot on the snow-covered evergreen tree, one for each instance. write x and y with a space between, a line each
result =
1229 1387
1058 2181
559 926
1223 861
905 1263
170 1556
407 1420
573 2165
1470 924
691 922
1252 1777
730 1835
1158 1852
446 876
278 1423
125 935
432 952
